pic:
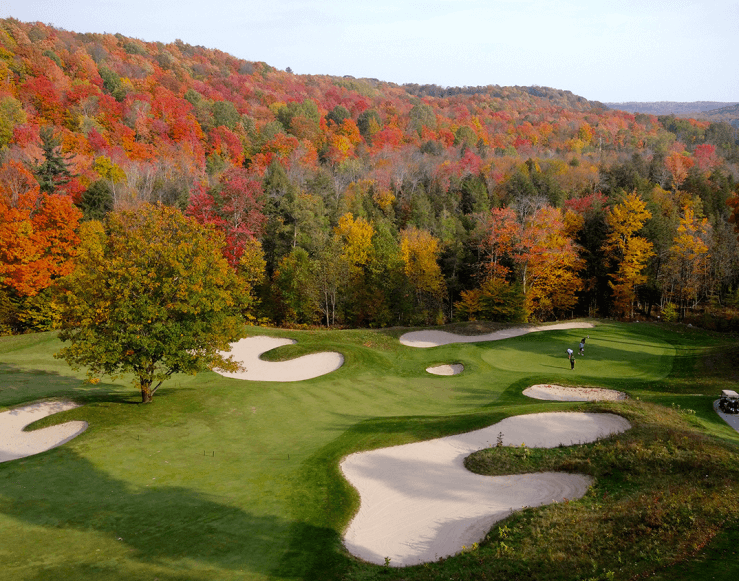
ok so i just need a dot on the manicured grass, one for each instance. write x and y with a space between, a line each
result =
227 479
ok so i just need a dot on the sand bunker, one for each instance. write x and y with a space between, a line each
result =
247 352
419 502
15 443
731 419
561 393
435 338
453 369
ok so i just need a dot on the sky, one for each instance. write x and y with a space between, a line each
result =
603 50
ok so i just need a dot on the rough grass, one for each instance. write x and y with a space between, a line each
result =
227 479
663 492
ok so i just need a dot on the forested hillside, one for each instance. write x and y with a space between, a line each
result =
728 114
354 201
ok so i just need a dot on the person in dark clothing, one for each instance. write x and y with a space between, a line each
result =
572 361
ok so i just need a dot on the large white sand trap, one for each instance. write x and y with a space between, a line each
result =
561 393
731 419
419 502
247 352
452 369
15 443
435 338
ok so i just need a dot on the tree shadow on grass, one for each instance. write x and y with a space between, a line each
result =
22 385
329 499
107 571
165 526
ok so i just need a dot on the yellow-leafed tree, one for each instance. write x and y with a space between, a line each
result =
685 273
419 251
627 252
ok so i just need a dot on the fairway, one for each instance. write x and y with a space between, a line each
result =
224 478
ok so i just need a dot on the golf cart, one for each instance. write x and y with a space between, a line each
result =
729 402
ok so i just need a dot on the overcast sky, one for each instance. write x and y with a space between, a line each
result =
603 50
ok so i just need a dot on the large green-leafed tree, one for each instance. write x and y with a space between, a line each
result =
153 296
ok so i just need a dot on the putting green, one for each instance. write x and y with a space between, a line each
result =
610 353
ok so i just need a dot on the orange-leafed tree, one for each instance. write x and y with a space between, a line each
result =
678 165
494 300
627 252
552 263
37 232
502 234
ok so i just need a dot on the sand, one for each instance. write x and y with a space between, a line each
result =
15 443
451 369
435 338
419 502
561 393
247 352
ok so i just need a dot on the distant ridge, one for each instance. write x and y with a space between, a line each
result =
563 98
728 114
669 107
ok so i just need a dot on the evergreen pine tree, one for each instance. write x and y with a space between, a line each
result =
53 172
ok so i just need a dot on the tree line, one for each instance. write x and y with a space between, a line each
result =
344 201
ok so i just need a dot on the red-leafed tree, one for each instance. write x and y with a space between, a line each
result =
705 156
234 206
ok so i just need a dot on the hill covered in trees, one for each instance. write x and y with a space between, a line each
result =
355 201
728 114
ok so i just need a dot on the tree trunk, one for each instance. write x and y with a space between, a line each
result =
146 395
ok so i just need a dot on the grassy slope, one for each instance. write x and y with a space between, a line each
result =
226 479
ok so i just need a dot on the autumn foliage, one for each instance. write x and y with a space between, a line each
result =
627 251
360 202
151 296
37 232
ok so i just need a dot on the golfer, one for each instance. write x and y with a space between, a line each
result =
569 354
582 345
572 361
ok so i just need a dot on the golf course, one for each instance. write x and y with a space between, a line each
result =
232 478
